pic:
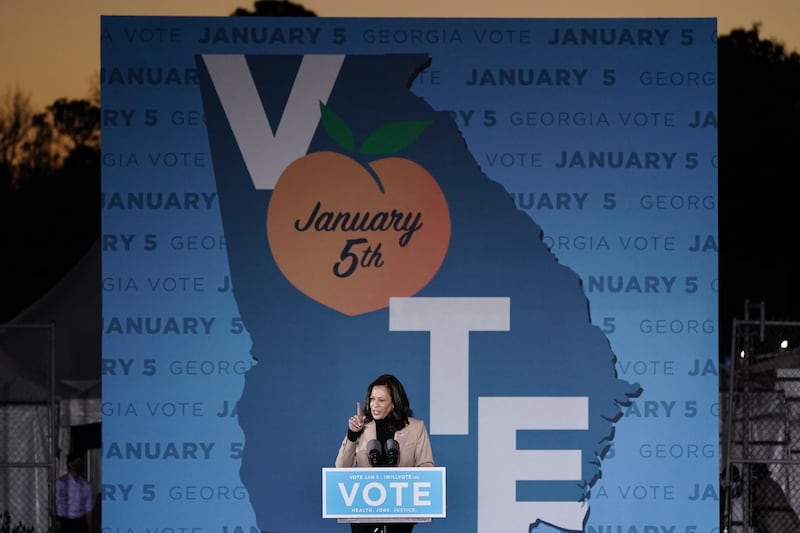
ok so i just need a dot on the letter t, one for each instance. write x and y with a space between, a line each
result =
449 321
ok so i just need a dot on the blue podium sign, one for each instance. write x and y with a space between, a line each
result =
384 493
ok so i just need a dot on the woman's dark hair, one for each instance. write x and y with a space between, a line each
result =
398 418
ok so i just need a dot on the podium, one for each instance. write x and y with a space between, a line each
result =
384 495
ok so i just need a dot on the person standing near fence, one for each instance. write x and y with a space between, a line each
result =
73 497
772 512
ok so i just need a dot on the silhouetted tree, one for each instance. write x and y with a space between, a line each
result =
40 155
759 111
49 215
16 116
77 120
274 8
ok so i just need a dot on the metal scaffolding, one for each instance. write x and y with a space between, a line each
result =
760 426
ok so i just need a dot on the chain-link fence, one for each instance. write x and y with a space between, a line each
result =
27 428
764 497
760 429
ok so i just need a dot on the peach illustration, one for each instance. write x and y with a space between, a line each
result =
349 235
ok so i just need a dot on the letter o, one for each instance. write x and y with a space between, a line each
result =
381 492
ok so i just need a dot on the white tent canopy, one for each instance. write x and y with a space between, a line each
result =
72 309
50 360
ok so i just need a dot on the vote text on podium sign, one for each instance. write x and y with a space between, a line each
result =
384 493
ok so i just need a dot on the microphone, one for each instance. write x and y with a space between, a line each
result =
392 452
374 452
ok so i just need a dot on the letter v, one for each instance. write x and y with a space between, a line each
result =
348 497
267 155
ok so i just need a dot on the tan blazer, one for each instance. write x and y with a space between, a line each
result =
415 446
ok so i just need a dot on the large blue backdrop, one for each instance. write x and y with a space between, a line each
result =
517 218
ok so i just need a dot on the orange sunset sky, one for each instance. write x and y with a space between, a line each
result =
51 48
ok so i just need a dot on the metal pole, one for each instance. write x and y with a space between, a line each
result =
53 423
729 430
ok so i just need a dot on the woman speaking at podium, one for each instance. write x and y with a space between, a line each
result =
385 434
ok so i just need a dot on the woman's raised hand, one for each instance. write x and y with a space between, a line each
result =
356 422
